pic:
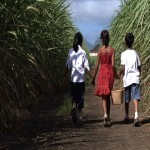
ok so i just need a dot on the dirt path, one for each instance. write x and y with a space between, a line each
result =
46 131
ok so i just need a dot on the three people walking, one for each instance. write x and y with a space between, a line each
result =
105 73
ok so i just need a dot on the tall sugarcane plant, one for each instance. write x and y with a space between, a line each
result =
34 38
134 16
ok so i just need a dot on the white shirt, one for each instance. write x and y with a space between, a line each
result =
131 60
77 62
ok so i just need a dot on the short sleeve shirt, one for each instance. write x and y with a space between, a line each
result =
77 62
131 60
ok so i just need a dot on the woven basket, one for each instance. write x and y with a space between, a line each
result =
117 96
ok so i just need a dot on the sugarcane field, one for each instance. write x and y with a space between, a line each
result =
66 84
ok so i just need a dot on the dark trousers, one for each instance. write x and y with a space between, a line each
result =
77 93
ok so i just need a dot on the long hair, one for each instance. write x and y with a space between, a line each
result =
105 37
78 39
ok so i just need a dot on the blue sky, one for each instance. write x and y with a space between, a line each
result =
92 16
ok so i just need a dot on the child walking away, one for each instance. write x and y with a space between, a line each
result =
105 59
131 70
78 64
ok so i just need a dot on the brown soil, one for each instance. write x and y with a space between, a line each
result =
45 130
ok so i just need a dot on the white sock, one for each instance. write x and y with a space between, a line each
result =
136 115
74 105
105 116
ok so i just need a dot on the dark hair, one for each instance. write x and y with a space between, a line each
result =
129 39
78 39
105 37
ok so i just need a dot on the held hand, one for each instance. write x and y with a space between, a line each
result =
92 82
117 76
121 76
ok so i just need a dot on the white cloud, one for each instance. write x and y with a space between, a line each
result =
91 16
99 11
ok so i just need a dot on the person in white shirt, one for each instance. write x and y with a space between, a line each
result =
131 70
78 64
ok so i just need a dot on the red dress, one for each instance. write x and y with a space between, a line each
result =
105 78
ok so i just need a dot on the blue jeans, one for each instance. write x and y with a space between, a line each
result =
132 92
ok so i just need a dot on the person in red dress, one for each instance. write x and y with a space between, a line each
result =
105 78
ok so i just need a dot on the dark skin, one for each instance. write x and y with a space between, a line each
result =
67 70
105 98
121 74
65 80
107 49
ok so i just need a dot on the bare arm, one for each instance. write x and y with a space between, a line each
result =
66 71
113 59
139 68
89 73
96 67
113 65
68 64
122 70
139 63
66 77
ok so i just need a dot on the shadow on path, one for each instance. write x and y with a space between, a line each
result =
45 129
